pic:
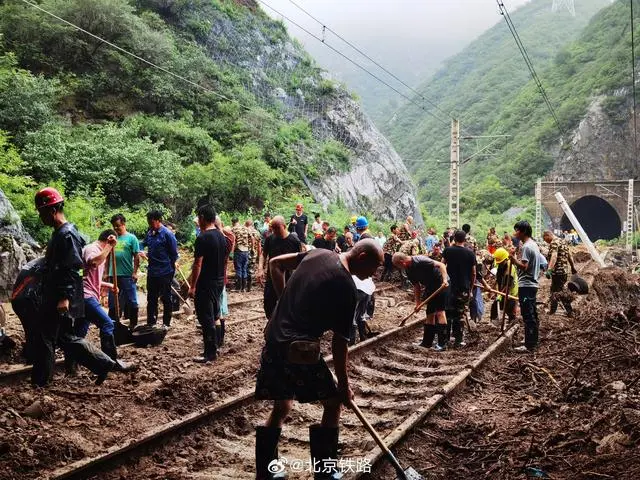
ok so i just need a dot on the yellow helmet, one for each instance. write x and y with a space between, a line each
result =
354 218
500 255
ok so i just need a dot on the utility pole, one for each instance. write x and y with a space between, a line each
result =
454 176
630 229
537 228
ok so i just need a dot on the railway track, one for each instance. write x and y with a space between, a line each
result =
396 382
16 370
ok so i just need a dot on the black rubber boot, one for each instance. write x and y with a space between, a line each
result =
267 451
352 335
133 318
108 346
210 346
362 330
442 337
457 326
248 284
70 367
220 339
238 283
429 333
324 446
219 335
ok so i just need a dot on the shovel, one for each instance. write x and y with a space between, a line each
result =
188 309
424 302
408 474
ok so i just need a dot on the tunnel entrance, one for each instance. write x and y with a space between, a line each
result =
598 218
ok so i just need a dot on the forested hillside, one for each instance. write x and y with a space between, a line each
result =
247 126
488 87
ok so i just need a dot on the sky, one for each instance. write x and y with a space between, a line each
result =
409 37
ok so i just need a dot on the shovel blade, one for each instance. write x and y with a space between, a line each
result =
411 474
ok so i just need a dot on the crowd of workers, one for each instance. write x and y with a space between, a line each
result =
312 282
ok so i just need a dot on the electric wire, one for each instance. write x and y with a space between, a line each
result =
350 60
376 63
137 57
523 51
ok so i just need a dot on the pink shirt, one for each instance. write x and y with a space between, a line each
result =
92 275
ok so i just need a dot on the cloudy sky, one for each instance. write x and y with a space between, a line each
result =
409 37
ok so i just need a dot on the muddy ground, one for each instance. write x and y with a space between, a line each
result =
75 419
570 412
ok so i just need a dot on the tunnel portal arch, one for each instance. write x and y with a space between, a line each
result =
597 216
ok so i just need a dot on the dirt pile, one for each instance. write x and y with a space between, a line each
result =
570 411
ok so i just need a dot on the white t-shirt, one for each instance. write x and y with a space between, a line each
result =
316 228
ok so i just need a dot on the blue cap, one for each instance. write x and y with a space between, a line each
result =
362 222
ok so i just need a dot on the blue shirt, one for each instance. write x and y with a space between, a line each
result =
162 250
430 242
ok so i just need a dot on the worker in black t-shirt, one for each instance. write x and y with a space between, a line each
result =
461 267
320 296
328 241
207 279
299 223
280 242
425 272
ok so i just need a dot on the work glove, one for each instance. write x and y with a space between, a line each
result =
499 298
548 273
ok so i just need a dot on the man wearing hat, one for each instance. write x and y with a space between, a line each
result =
299 223
362 227
62 297
505 278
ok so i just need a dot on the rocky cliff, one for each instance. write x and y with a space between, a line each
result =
601 147
16 246
282 74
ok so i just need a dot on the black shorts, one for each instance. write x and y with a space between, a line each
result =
279 379
438 304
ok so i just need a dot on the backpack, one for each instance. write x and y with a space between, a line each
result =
26 297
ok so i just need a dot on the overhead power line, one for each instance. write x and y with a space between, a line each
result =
137 57
349 59
391 74
523 51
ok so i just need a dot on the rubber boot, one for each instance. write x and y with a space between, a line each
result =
222 332
266 452
457 327
362 330
219 335
352 335
429 333
238 283
70 367
87 355
108 346
210 346
442 338
248 283
324 446
133 318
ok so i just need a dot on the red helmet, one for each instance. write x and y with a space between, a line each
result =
48 197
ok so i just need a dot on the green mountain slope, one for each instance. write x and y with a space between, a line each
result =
256 123
488 87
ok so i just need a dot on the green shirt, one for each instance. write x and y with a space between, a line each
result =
126 248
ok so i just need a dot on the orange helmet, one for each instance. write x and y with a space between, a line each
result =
48 197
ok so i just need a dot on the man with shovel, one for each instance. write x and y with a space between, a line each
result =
127 252
319 296
432 275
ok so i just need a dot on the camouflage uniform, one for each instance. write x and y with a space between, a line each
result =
389 248
410 247
471 243
241 256
560 272
255 237
404 234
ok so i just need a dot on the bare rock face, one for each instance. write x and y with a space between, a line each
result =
378 180
601 148
16 247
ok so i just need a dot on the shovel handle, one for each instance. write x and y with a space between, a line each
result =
392 458
422 304
184 278
497 292
178 294
116 299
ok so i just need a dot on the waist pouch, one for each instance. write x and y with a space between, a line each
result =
303 352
